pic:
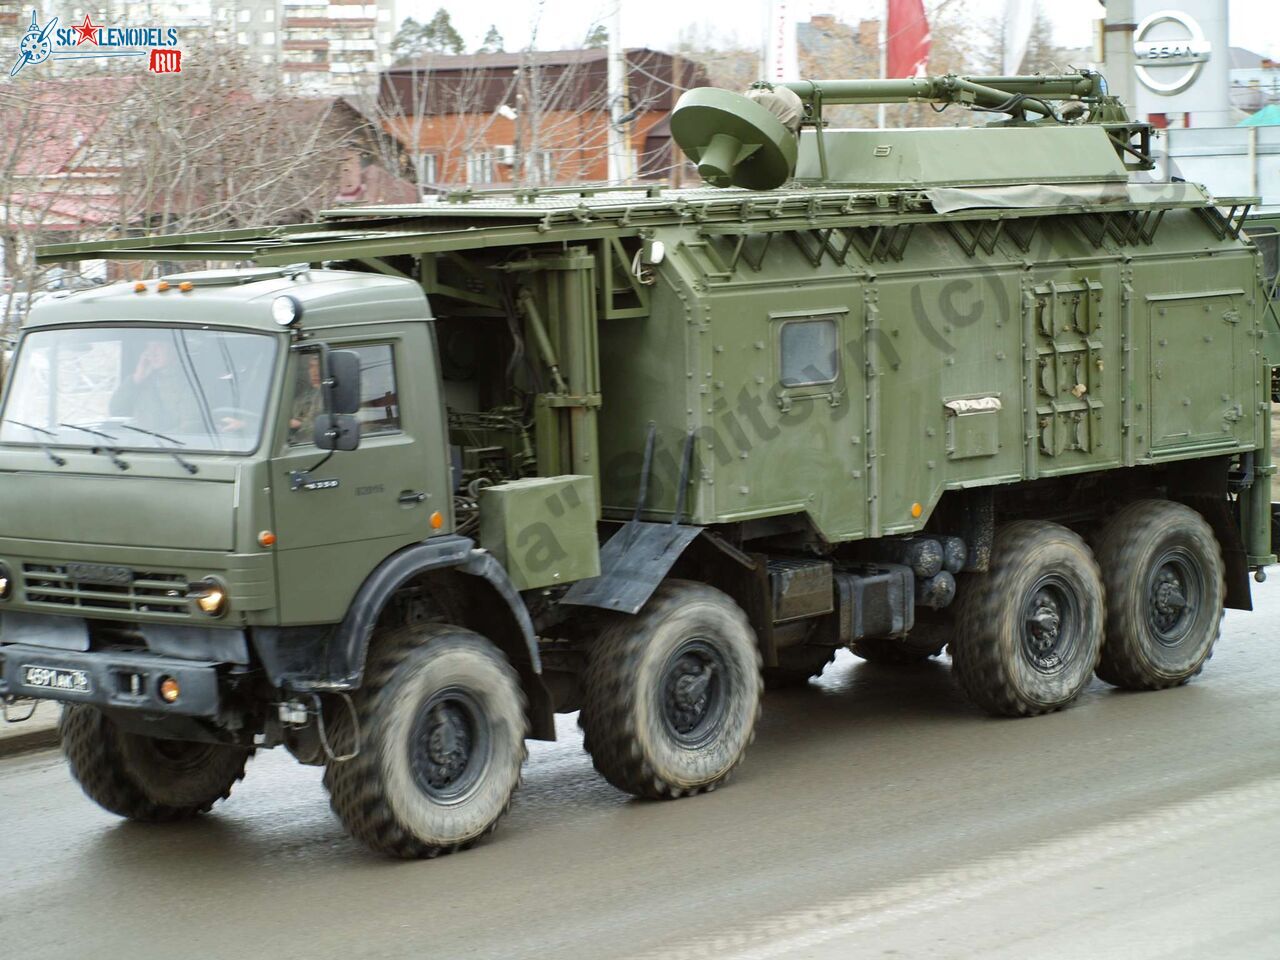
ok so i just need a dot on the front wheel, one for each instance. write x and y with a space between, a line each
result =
442 726
671 695
146 778
1030 629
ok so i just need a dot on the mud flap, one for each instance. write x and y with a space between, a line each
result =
632 564
639 556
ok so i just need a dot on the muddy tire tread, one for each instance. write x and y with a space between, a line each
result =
354 796
978 666
91 746
609 733
1118 550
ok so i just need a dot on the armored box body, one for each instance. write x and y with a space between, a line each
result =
856 372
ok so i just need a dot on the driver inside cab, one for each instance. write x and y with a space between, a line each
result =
162 394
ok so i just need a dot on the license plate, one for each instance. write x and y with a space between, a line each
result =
56 678
99 573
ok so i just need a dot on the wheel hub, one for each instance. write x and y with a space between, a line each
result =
691 691
1050 623
1168 598
447 744
1044 623
180 754
687 689
1172 597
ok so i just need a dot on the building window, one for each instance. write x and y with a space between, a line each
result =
809 352
269 15
480 167
269 39
427 168
244 16
542 167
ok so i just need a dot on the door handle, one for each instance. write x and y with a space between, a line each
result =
409 497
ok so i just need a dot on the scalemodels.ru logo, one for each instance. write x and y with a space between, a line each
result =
92 40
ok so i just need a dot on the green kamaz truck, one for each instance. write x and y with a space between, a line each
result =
394 488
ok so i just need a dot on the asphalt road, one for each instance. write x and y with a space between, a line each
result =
876 816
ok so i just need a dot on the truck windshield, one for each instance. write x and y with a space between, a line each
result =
199 390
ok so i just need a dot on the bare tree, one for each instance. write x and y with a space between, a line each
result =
48 190
1042 54
727 62
122 151
221 146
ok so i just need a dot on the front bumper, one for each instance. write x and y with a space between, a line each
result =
121 680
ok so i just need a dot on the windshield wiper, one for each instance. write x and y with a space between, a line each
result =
112 453
59 461
186 465
96 433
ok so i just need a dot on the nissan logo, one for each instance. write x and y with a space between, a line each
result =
1178 59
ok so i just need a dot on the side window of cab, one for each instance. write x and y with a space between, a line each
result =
379 412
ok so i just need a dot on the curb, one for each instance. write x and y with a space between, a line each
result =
38 732
27 741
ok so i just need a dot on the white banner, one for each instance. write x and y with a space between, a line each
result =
1019 15
781 60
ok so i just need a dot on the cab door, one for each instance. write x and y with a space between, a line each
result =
338 515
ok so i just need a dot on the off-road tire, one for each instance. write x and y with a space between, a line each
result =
1143 541
380 795
636 663
1037 568
146 778
797 666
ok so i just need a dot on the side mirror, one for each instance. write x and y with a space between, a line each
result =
336 431
344 374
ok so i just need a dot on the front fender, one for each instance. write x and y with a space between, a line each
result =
320 658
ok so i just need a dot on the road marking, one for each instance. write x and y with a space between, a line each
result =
794 931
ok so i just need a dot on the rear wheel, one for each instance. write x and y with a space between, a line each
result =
442 726
1030 629
1163 572
146 778
671 695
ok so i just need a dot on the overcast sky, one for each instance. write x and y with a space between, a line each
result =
655 23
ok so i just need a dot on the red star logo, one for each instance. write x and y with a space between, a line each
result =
88 31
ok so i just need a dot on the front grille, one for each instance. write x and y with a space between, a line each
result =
149 592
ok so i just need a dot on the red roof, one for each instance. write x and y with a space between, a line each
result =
51 124
52 211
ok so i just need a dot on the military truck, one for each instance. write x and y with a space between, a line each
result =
395 488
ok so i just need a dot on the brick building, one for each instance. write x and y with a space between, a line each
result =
532 118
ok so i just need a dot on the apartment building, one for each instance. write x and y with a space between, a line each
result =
321 47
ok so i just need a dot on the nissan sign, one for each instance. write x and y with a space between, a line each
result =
1171 62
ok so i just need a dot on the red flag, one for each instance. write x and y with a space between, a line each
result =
906 39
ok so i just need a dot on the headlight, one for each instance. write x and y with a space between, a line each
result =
286 310
210 596
6 582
